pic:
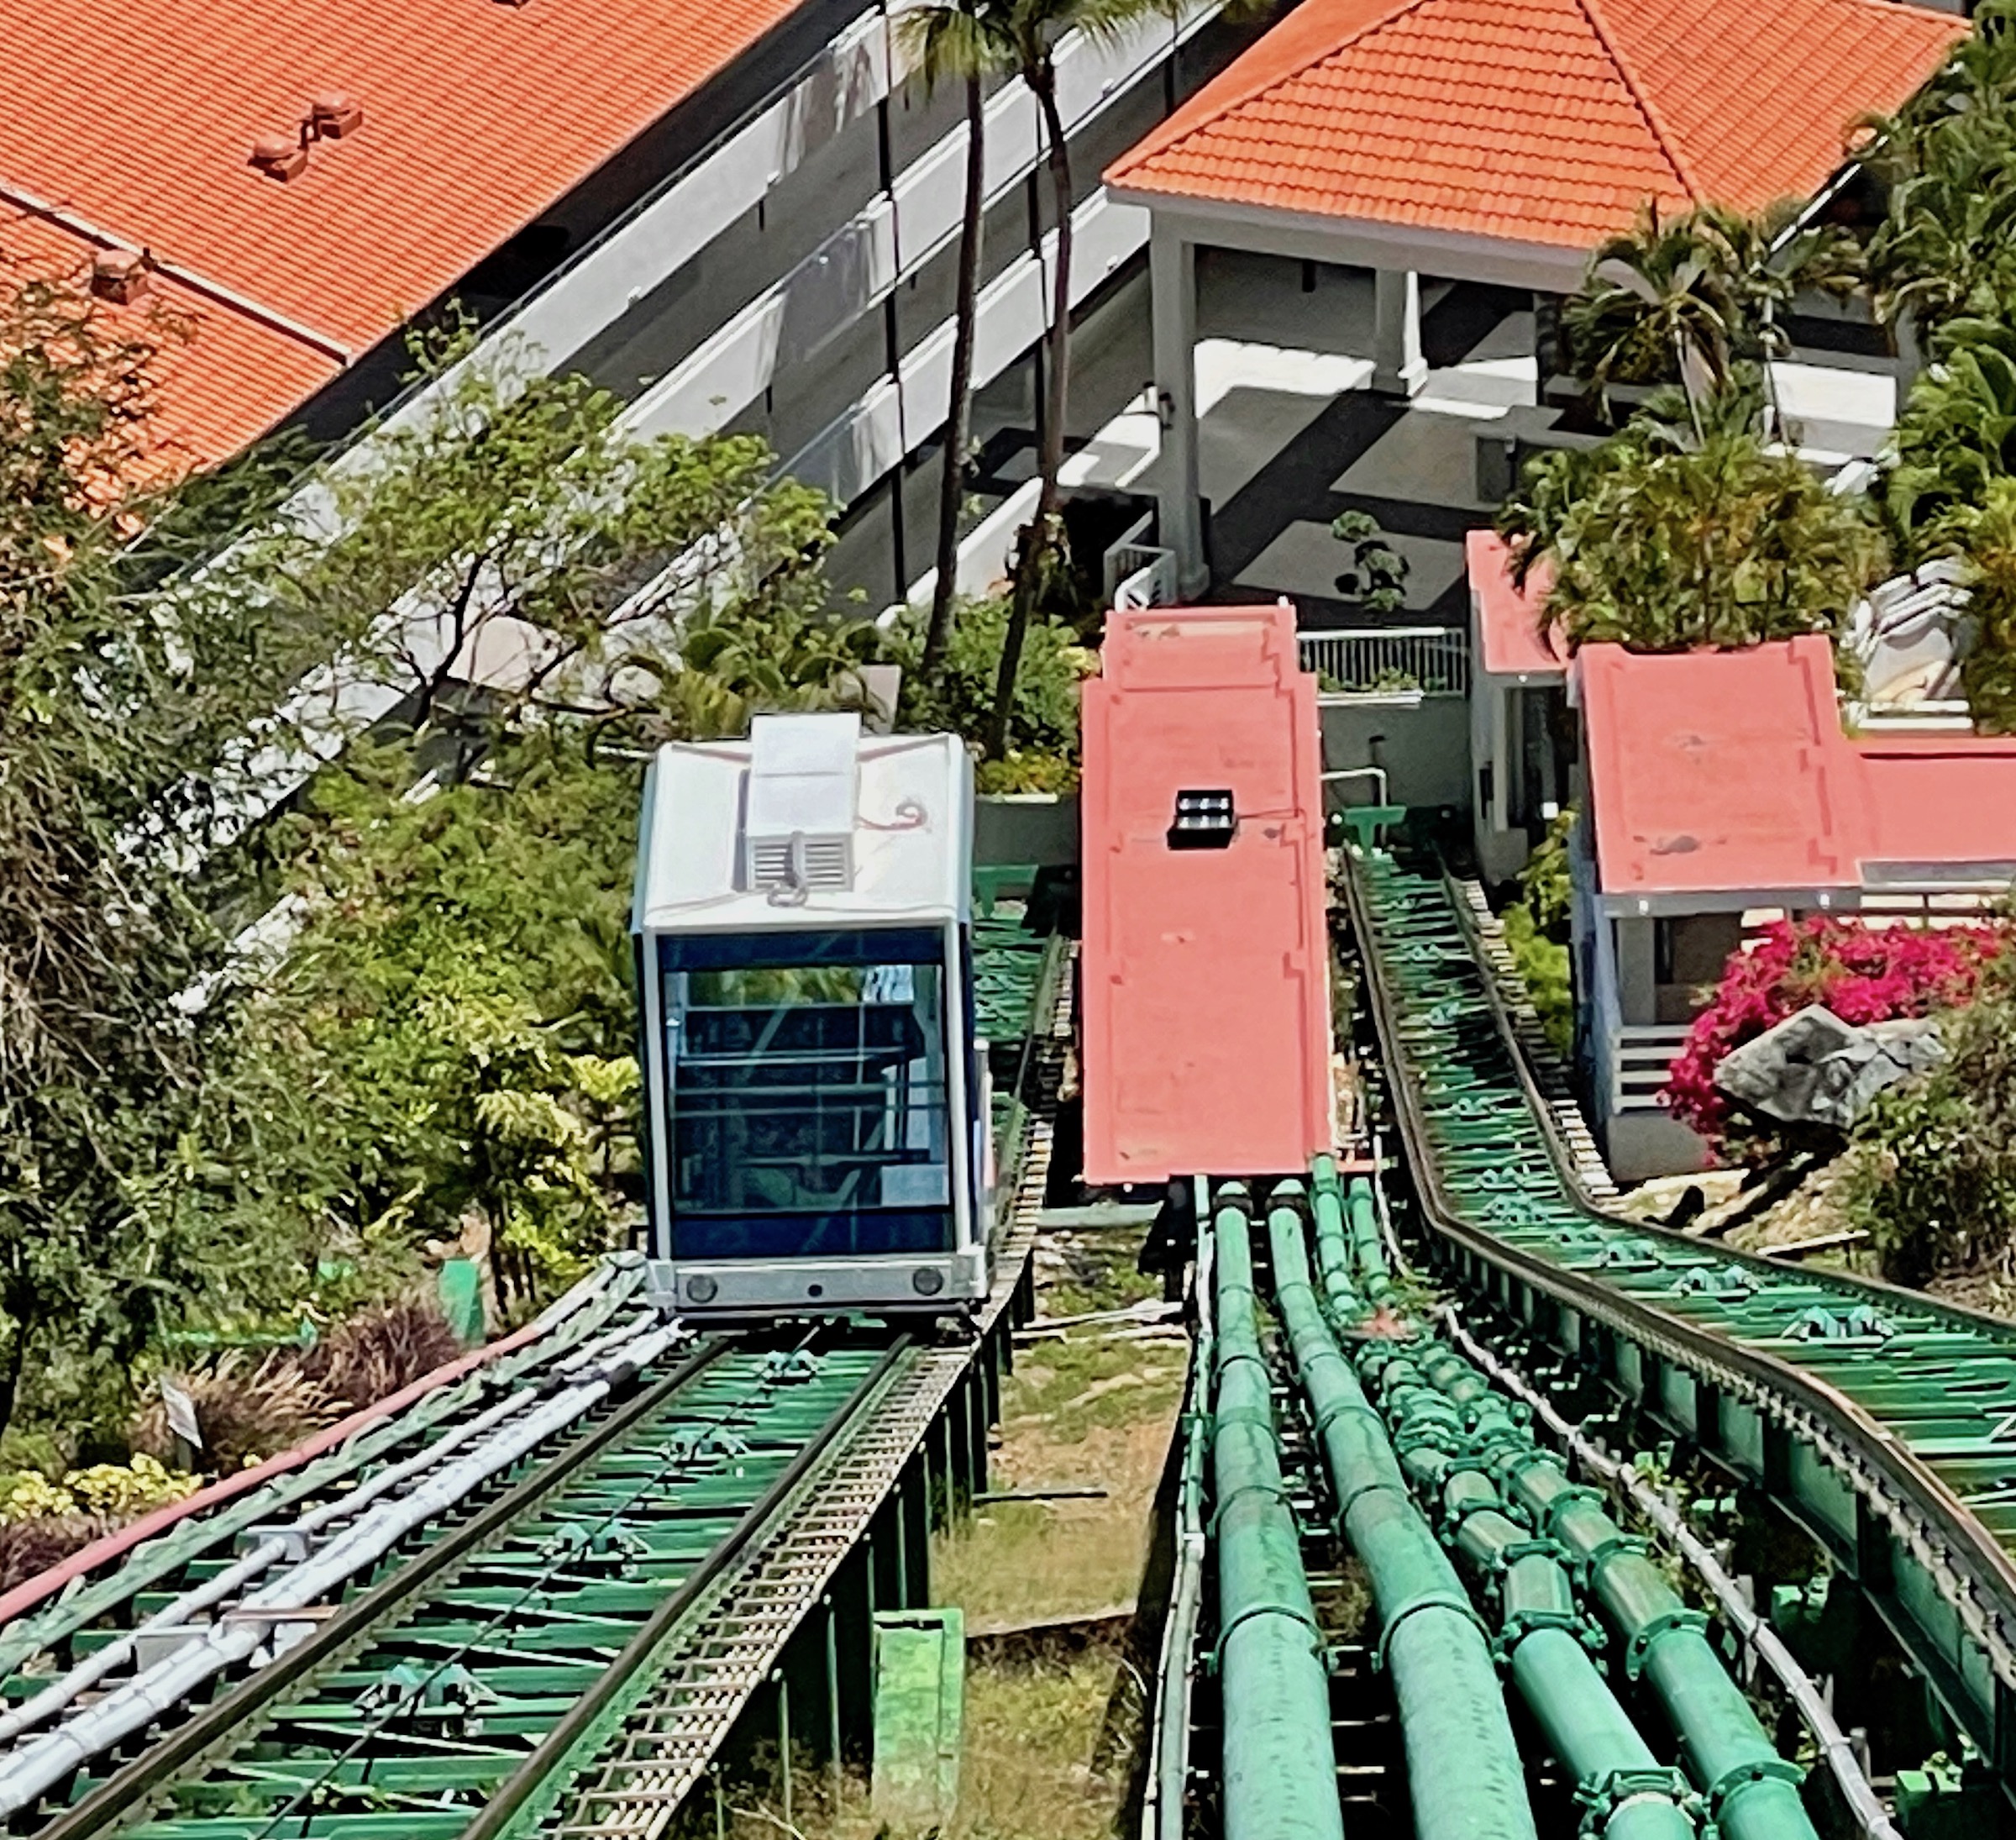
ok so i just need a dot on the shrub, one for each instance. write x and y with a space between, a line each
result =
1054 663
1863 973
1542 964
1932 1178
245 1412
377 1353
1545 884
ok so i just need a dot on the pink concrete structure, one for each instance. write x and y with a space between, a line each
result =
1205 970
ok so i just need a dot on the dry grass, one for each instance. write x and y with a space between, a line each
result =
1045 1756
1028 1771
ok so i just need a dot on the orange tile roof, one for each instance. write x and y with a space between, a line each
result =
223 382
1539 121
138 117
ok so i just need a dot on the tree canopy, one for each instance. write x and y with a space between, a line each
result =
249 1066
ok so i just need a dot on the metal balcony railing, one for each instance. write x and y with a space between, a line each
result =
1434 660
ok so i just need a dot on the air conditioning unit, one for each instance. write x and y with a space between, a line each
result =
798 820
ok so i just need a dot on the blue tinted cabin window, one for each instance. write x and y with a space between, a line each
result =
809 1099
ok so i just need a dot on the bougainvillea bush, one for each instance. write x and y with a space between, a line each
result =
1863 973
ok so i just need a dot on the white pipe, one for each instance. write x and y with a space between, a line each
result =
131 1707
1362 773
87 1673
1864 1804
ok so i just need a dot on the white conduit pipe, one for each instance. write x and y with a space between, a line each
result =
38 1767
1864 1804
87 1673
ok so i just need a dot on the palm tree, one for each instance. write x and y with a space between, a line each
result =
949 40
1687 297
1947 162
1026 33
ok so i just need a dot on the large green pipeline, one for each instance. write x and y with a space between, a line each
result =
1279 1778
1464 1775
1333 1244
1752 1793
1543 1639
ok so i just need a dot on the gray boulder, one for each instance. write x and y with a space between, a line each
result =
1814 1069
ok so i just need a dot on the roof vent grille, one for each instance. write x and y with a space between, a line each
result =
280 156
798 825
118 276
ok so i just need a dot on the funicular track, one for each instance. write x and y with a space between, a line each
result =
542 1596
1883 1421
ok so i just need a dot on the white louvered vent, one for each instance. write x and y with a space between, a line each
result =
798 825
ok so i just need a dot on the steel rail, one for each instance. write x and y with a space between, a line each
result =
1971 1569
222 1722
153 1549
555 1749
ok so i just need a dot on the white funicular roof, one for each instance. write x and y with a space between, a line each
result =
912 829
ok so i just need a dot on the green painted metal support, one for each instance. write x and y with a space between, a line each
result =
459 1286
920 1717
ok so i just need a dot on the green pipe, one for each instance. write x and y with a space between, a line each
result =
1450 1704
1368 1249
1333 1245
1595 1738
1279 1770
1630 1796
1752 1793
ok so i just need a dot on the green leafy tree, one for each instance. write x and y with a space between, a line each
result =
1947 163
1984 533
1957 434
1685 298
455 999
959 698
115 974
516 553
1663 542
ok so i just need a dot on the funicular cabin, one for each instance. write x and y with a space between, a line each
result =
814 1093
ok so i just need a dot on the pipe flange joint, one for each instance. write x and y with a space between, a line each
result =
1640 1646
1586 1565
1526 1548
1252 1613
1733 1782
1433 1437
1434 1600
1600 1797
1518 1624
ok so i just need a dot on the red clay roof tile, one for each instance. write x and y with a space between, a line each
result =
138 116
1549 121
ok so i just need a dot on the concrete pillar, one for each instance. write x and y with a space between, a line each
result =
1397 366
1173 295
1637 973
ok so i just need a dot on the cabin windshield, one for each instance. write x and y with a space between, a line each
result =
808 1104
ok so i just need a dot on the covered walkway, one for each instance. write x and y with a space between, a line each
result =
1488 142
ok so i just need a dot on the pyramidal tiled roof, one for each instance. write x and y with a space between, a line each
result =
1539 121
